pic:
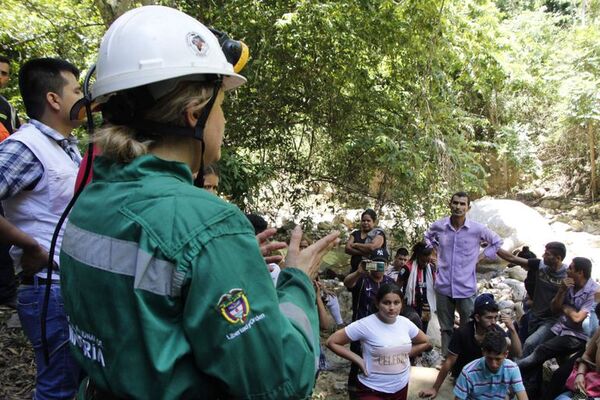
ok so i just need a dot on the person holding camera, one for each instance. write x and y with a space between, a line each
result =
365 282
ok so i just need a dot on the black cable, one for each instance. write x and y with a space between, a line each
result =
199 130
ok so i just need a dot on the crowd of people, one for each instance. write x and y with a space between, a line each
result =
162 290
438 279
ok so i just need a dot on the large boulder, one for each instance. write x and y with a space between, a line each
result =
517 223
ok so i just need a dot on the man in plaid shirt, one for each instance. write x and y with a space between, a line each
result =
38 166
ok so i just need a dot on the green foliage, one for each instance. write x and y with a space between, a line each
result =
380 103
377 99
68 29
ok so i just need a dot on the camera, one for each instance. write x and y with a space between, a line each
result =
374 266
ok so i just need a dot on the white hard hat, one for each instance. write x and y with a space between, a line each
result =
153 44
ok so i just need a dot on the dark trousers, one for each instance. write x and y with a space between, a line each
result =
524 327
556 346
354 370
8 282
559 377
366 393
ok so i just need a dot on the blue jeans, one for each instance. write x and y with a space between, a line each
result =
569 396
60 378
590 324
541 333
554 346
565 396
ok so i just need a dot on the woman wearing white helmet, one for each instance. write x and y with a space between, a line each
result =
165 287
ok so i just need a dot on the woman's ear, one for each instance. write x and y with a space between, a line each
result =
191 118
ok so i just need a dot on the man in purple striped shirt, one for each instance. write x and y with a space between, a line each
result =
573 302
457 240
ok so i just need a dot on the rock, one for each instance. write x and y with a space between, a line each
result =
500 286
345 300
433 331
517 287
422 378
595 209
589 225
506 305
552 204
583 212
560 227
517 273
531 194
576 225
519 312
514 221
487 276
548 369
429 359
14 322
485 268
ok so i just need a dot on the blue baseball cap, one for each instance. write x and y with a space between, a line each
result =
484 300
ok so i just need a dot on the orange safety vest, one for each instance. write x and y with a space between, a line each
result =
3 132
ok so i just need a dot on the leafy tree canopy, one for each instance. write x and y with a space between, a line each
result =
382 103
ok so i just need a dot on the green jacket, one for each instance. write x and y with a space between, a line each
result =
168 296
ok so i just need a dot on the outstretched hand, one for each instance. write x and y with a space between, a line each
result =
267 246
309 259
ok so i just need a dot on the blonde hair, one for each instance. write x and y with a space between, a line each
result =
123 144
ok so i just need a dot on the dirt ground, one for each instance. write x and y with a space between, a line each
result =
331 384
17 368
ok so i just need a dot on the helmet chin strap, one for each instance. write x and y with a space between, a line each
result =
199 131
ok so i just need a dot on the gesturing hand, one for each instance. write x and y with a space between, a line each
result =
309 259
267 246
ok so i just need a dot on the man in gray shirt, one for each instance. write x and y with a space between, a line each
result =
550 272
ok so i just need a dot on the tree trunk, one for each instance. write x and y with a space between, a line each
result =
111 10
592 144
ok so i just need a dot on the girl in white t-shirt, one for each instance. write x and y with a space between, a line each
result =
388 340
